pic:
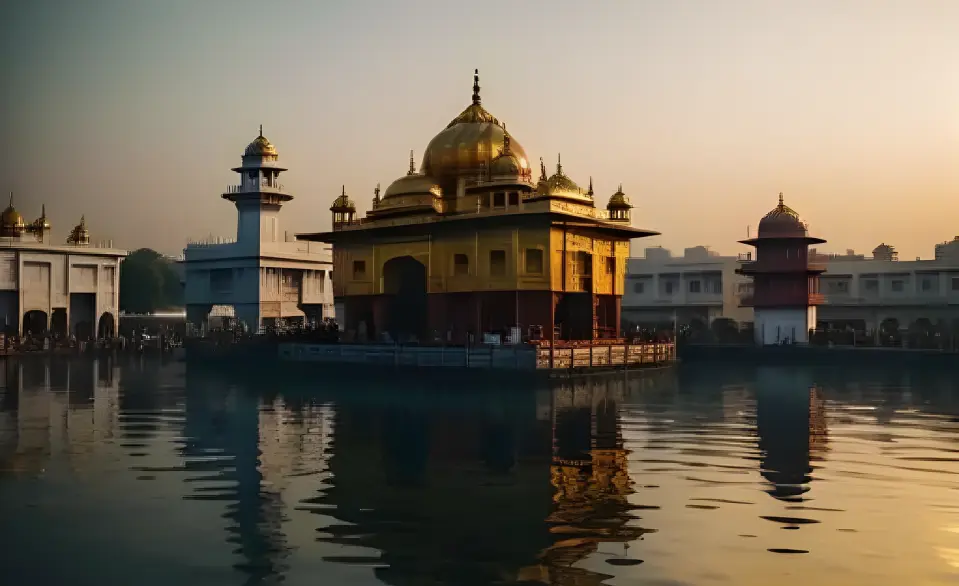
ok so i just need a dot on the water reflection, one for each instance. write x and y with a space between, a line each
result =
263 480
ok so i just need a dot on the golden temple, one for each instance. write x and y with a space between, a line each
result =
472 245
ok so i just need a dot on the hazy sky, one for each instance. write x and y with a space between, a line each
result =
133 111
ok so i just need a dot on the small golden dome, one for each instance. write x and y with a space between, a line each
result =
343 203
782 221
260 147
413 183
11 222
469 141
619 200
560 185
416 184
507 164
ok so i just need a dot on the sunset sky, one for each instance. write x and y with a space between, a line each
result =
133 111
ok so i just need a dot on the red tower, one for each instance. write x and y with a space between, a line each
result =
785 283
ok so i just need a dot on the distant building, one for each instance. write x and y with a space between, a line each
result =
70 288
700 286
948 250
262 276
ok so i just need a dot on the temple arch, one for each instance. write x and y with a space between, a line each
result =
106 325
35 322
404 285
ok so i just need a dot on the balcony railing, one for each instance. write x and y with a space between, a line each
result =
254 188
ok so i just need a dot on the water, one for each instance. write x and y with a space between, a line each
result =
145 473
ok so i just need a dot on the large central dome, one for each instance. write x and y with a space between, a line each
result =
467 144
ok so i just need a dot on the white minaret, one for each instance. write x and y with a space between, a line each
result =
259 195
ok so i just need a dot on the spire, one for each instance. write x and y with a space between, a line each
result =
261 131
542 169
343 193
781 204
620 189
476 87
43 211
506 150
412 170
589 192
11 199
376 192
559 164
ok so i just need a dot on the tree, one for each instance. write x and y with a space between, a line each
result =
148 283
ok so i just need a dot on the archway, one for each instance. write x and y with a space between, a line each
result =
404 282
58 322
106 327
35 323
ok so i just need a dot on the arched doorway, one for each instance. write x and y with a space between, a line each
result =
404 281
106 327
58 322
35 323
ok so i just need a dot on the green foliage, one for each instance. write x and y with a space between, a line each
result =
148 283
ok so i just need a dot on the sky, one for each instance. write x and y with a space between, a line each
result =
132 112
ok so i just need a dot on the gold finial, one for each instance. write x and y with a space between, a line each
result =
590 191
620 188
476 87
261 131
559 163
11 199
344 191
412 170
542 169
506 150
781 199
376 192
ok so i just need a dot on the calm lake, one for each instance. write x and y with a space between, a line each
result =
150 473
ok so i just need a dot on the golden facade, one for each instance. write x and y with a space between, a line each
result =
471 244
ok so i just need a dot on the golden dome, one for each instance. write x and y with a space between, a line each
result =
260 147
413 183
471 140
343 203
560 185
507 164
11 222
619 200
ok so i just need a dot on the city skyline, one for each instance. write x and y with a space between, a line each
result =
134 115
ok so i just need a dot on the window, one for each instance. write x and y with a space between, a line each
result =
639 288
926 284
898 285
514 198
497 263
955 283
359 269
461 265
669 287
499 200
871 285
695 287
610 265
534 261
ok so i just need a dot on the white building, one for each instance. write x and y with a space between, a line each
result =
263 275
58 288
700 285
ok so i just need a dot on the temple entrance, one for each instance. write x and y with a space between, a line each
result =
35 323
404 282
574 316
106 327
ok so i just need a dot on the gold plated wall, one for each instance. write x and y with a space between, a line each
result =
491 259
